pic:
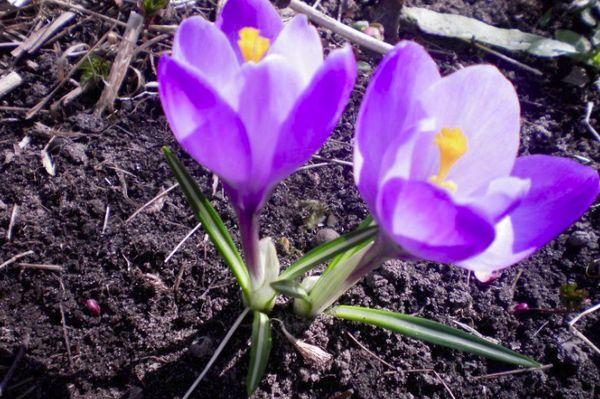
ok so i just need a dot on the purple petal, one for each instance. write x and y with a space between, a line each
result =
259 14
216 61
483 103
502 197
269 91
561 191
388 110
427 224
300 44
316 113
203 123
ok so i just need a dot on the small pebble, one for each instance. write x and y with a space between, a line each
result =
201 348
578 239
93 307
325 235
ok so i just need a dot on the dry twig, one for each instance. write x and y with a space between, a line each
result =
578 333
218 351
508 59
106 216
357 342
147 204
13 219
335 26
187 236
586 120
16 258
511 372
63 322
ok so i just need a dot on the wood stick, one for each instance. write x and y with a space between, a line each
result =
39 37
119 68
41 266
9 82
106 216
13 220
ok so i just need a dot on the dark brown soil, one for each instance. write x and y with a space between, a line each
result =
151 342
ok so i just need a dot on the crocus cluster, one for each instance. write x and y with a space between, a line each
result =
252 100
435 160
435 157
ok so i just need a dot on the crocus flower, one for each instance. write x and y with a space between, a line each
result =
436 161
252 99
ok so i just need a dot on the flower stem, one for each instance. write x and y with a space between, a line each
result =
249 228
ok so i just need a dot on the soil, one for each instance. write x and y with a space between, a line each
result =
151 341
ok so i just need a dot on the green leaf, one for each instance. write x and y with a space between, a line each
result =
344 256
94 69
259 350
291 288
211 221
262 297
433 332
578 41
151 7
328 250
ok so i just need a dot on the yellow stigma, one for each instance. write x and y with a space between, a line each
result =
252 45
453 145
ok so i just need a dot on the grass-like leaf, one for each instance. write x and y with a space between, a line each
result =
343 256
433 332
324 252
259 350
290 288
211 221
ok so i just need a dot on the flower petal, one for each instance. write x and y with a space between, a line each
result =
502 196
425 222
316 113
259 14
300 44
217 61
483 103
269 91
388 110
561 191
203 123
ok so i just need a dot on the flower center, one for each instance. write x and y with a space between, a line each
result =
453 144
252 45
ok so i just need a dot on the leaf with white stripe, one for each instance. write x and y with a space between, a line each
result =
260 350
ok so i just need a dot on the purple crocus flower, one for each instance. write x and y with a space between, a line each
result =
436 161
252 99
